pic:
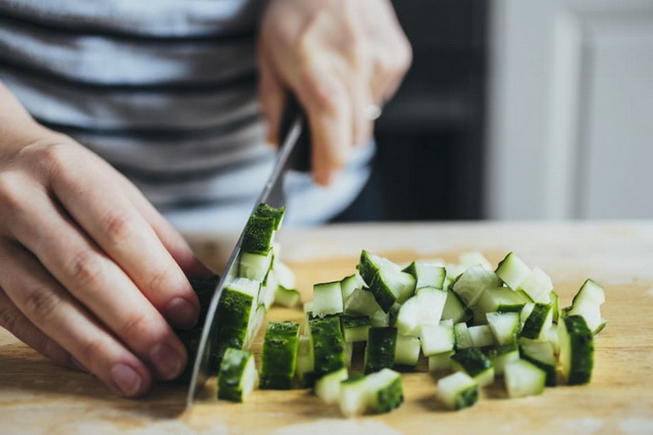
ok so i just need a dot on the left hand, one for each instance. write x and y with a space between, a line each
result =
340 58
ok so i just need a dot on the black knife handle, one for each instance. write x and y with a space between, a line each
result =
300 159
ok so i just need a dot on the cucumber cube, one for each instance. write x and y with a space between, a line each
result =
327 298
279 355
437 338
457 391
523 379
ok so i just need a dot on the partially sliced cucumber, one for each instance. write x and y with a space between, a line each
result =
279 359
454 309
385 280
504 326
355 328
541 354
328 344
351 283
437 338
473 362
482 336
523 379
380 349
512 271
406 351
576 350
538 322
440 362
537 285
258 235
327 298
286 297
361 302
235 310
427 274
425 308
457 391
254 266
276 214
327 387
462 336
473 282
237 378
502 355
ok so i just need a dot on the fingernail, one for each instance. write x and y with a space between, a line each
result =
166 360
126 379
181 313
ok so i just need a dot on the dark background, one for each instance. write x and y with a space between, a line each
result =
430 138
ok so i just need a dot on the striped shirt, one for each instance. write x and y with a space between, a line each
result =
165 91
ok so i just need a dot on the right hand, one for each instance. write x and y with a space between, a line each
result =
91 274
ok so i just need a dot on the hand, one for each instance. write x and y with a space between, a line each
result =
90 273
339 57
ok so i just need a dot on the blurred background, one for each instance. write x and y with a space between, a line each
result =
518 110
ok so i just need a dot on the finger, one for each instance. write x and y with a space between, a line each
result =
15 322
97 282
362 100
328 105
112 221
53 311
272 95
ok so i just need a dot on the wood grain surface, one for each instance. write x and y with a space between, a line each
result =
38 397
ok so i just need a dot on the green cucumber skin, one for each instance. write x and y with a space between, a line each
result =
501 350
231 369
380 349
550 370
258 235
472 360
328 344
371 275
532 325
466 398
582 346
279 355
390 397
276 214
234 310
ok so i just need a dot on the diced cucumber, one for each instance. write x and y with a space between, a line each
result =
481 335
525 312
462 336
407 351
305 361
361 302
355 328
512 271
328 344
523 379
537 286
285 276
237 377
552 337
254 266
380 319
541 354
502 355
587 303
425 308
279 359
258 235
385 391
255 323
454 309
426 274
555 306
286 297
235 309
268 290
440 362
590 291
276 214
500 299
504 326
327 298
327 387
380 349
437 338
576 349
473 282
457 391
351 283
353 396
473 362
469 259
385 280
538 322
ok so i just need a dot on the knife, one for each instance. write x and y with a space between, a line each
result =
294 153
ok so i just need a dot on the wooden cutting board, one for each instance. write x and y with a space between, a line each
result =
38 397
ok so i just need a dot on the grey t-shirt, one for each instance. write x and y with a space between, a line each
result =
165 91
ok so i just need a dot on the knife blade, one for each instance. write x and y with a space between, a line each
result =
293 153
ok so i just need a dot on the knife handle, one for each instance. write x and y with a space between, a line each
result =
300 158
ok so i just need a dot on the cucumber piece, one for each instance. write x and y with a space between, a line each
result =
541 354
590 291
380 319
440 362
385 280
502 355
254 266
576 350
587 303
537 285
258 235
327 387
457 391
353 395
469 259
355 328
268 290
384 391
423 309
538 322
327 298
482 335
328 344
426 274
286 297
555 306
235 310
254 325
525 312
237 377
512 271
305 362
500 299
351 283
276 214
553 338
279 359
285 276
504 326
523 379
437 338
473 282
406 351
473 362
380 349
462 336
361 302
454 309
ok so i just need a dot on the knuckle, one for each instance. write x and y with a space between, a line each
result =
91 350
11 191
323 94
9 317
135 325
41 303
85 268
118 229
159 280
